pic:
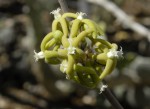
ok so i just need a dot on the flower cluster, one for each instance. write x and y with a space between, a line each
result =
84 56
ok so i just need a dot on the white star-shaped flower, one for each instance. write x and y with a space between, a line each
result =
71 50
63 66
80 15
38 56
113 53
103 87
56 13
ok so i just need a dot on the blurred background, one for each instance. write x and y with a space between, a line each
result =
26 84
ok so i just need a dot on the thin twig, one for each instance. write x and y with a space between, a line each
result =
114 102
111 98
63 5
122 17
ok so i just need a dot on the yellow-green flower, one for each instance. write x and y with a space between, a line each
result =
79 47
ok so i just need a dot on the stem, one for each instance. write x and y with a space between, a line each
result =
114 102
111 98
107 93
63 5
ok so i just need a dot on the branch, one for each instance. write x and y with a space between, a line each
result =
63 5
110 97
123 17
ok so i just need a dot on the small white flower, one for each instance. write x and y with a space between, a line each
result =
113 53
63 66
103 87
56 13
71 50
38 56
80 15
